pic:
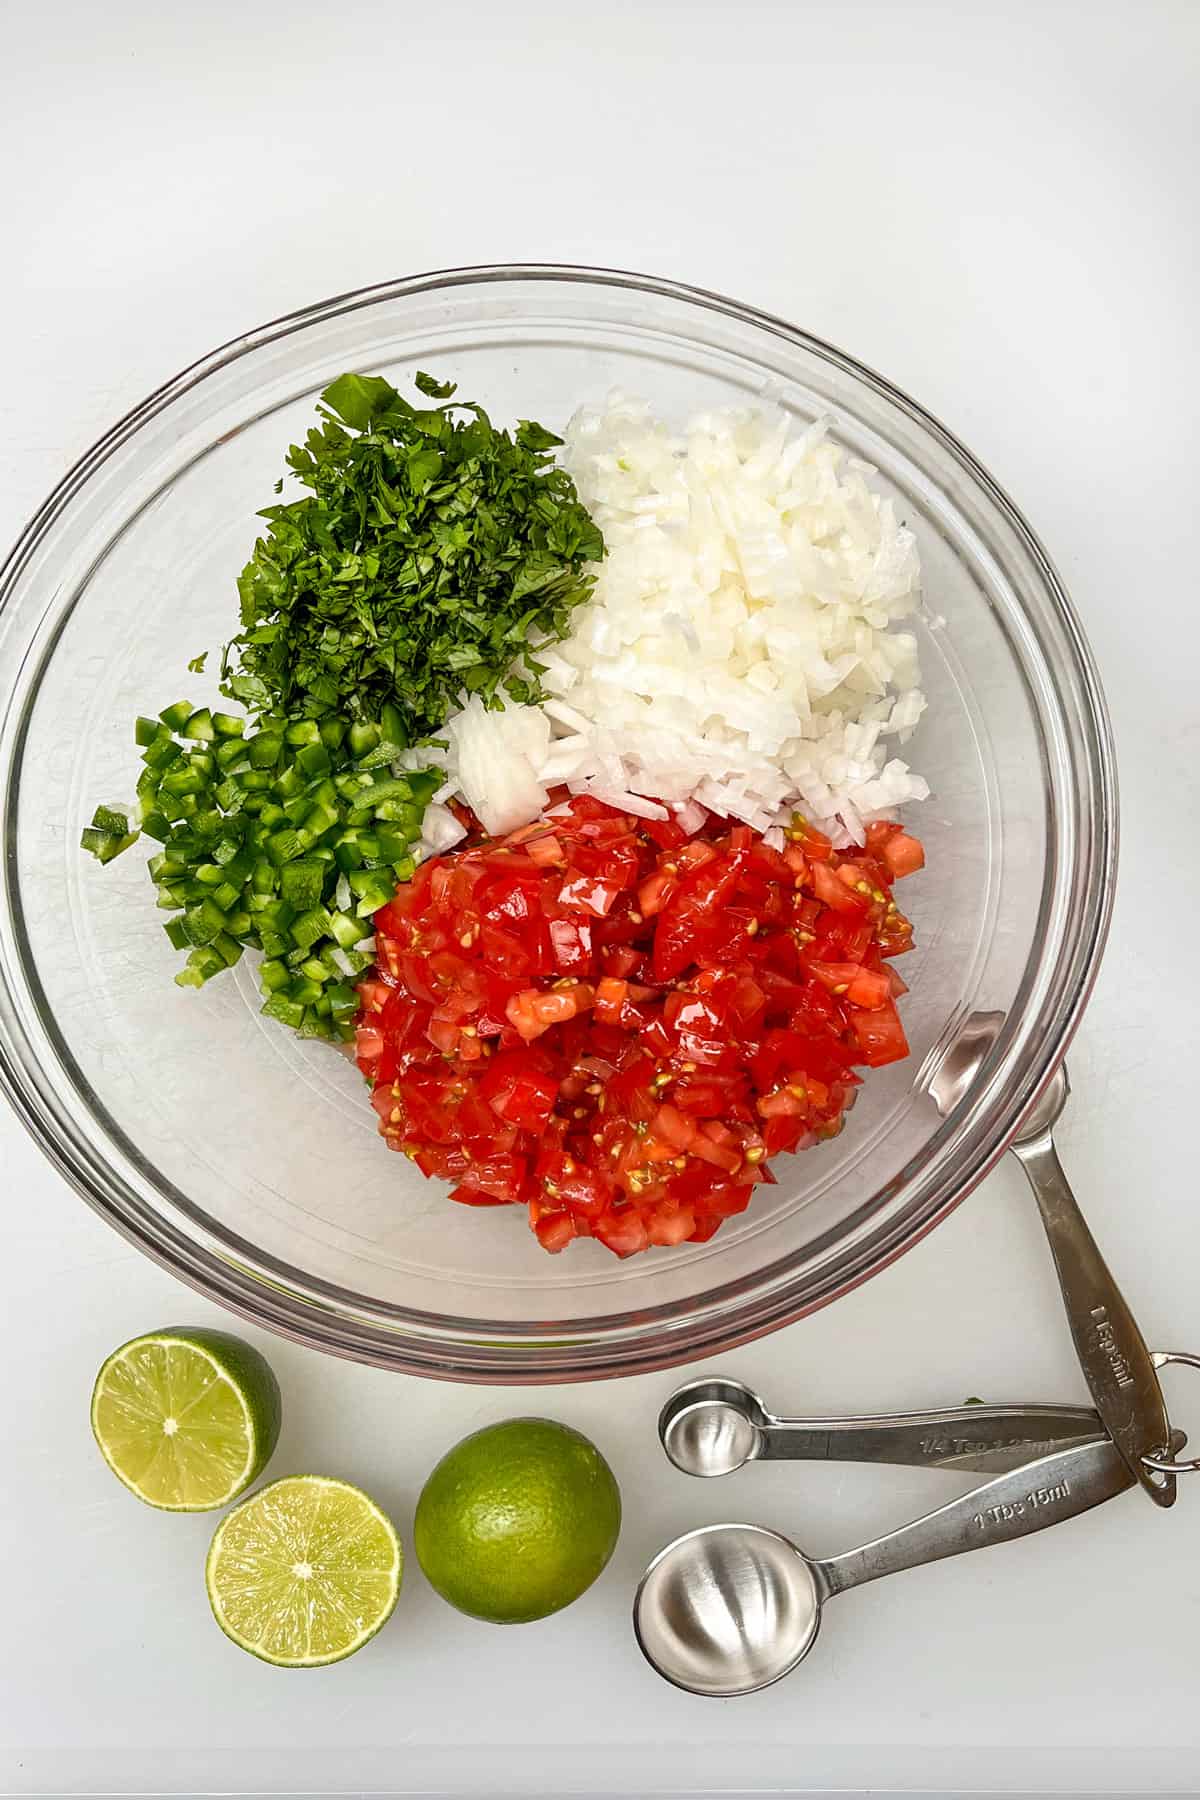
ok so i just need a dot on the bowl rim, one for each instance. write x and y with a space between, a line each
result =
676 1333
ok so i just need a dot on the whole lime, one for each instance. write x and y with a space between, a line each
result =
517 1520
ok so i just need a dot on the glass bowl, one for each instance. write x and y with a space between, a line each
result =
245 1160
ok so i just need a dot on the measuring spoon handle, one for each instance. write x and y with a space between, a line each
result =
1028 1499
1111 1349
979 1439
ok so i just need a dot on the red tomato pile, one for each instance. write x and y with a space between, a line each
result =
617 1025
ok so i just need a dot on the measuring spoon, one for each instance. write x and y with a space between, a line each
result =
712 1427
731 1608
1118 1367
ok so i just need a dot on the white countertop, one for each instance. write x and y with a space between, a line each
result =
994 204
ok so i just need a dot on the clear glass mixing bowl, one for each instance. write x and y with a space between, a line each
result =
247 1161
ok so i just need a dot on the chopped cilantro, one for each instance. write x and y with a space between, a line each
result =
431 555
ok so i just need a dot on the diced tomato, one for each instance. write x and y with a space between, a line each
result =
721 1155
509 902
505 953
518 1010
443 1035
561 1004
834 893
674 1127
520 1086
451 1162
611 996
860 986
668 834
554 1231
571 943
589 893
692 912
879 1036
374 995
705 1097
458 985
624 1232
531 1011
668 1223
785 1132
840 937
771 864
502 1177
784 1102
895 935
546 852
869 989
618 1025
622 961
809 1051
730 1198
654 893
574 1184
468 1196
904 855
816 846
835 976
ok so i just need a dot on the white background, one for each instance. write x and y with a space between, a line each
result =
994 204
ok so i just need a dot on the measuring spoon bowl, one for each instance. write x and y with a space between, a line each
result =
712 1427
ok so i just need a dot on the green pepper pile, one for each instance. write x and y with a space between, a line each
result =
285 840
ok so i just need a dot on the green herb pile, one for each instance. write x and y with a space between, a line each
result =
432 553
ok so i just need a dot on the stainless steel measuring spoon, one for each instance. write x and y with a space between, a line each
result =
731 1608
712 1427
1118 1367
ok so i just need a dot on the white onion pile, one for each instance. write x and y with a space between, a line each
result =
740 648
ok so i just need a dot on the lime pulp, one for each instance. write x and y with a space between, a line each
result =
304 1572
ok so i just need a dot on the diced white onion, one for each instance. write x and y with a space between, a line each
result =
440 830
740 651
630 803
690 816
497 756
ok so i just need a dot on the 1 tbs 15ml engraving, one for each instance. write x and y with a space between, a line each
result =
1016 1509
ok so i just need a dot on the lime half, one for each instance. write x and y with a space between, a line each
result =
187 1419
304 1571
